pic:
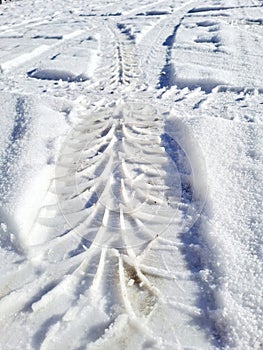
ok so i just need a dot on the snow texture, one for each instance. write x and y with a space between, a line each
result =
131 150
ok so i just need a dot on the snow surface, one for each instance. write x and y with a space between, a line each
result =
131 174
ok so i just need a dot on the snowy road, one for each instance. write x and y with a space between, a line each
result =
131 175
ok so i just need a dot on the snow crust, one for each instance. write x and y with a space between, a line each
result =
131 150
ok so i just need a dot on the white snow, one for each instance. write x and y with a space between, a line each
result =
131 151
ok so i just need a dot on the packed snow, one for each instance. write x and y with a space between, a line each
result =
131 171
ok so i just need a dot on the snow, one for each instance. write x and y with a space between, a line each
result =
131 175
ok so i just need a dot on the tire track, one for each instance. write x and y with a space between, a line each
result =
82 174
124 70
158 35
94 230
